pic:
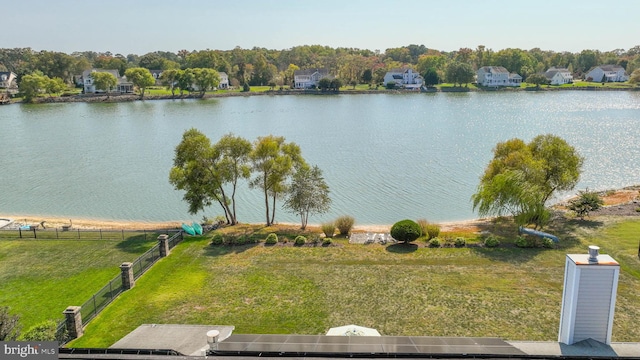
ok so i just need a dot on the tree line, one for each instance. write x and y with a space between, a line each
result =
210 174
261 66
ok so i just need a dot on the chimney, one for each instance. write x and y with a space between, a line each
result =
589 297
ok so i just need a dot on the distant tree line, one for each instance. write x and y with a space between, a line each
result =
268 67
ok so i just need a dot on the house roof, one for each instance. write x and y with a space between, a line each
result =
323 72
222 73
608 67
494 69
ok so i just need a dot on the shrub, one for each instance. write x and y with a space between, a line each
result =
271 239
300 240
523 242
547 243
491 241
432 231
434 243
240 240
328 229
406 231
459 242
44 331
344 224
217 239
326 241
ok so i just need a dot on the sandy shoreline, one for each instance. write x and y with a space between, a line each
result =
105 224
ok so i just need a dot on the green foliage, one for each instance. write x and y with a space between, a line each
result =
431 77
45 331
522 177
525 242
33 84
328 229
586 202
548 243
104 81
300 240
217 239
344 224
459 73
429 230
141 78
491 241
537 80
460 242
635 77
241 240
246 88
308 194
203 170
9 325
273 161
326 241
406 231
205 79
435 242
324 83
390 85
271 239
55 86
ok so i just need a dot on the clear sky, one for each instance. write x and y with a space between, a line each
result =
139 27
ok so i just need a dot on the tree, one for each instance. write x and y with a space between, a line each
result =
169 78
210 173
103 80
33 84
335 84
308 194
537 80
274 161
54 86
141 78
406 231
586 202
431 77
635 77
522 177
185 80
205 79
44 331
459 73
9 326
324 84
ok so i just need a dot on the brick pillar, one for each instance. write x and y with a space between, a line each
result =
164 245
73 320
128 281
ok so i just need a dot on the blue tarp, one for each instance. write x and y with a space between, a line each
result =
524 230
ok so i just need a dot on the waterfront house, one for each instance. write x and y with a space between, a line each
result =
607 73
558 76
493 76
8 80
123 86
156 76
309 78
404 77
224 81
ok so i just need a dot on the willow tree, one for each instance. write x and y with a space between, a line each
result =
210 173
273 161
522 177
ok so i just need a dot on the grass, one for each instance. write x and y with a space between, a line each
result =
505 292
40 278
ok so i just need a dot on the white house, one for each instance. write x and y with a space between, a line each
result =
405 77
7 80
607 73
306 79
122 86
497 76
558 76
224 80
156 76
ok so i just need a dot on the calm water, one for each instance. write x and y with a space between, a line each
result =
385 157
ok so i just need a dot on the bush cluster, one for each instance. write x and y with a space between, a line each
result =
434 243
344 224
328 229
459 242
300 240
271 239
217 239
428 229
326 242
406 231
491 241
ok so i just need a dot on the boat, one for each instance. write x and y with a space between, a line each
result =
188 229
197 228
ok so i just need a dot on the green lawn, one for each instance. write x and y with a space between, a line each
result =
505 292
40 278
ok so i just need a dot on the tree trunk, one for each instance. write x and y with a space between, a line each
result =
273 210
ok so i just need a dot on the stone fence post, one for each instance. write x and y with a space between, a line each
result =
164 245
73 320
128 280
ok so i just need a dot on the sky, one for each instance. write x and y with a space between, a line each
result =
138 27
